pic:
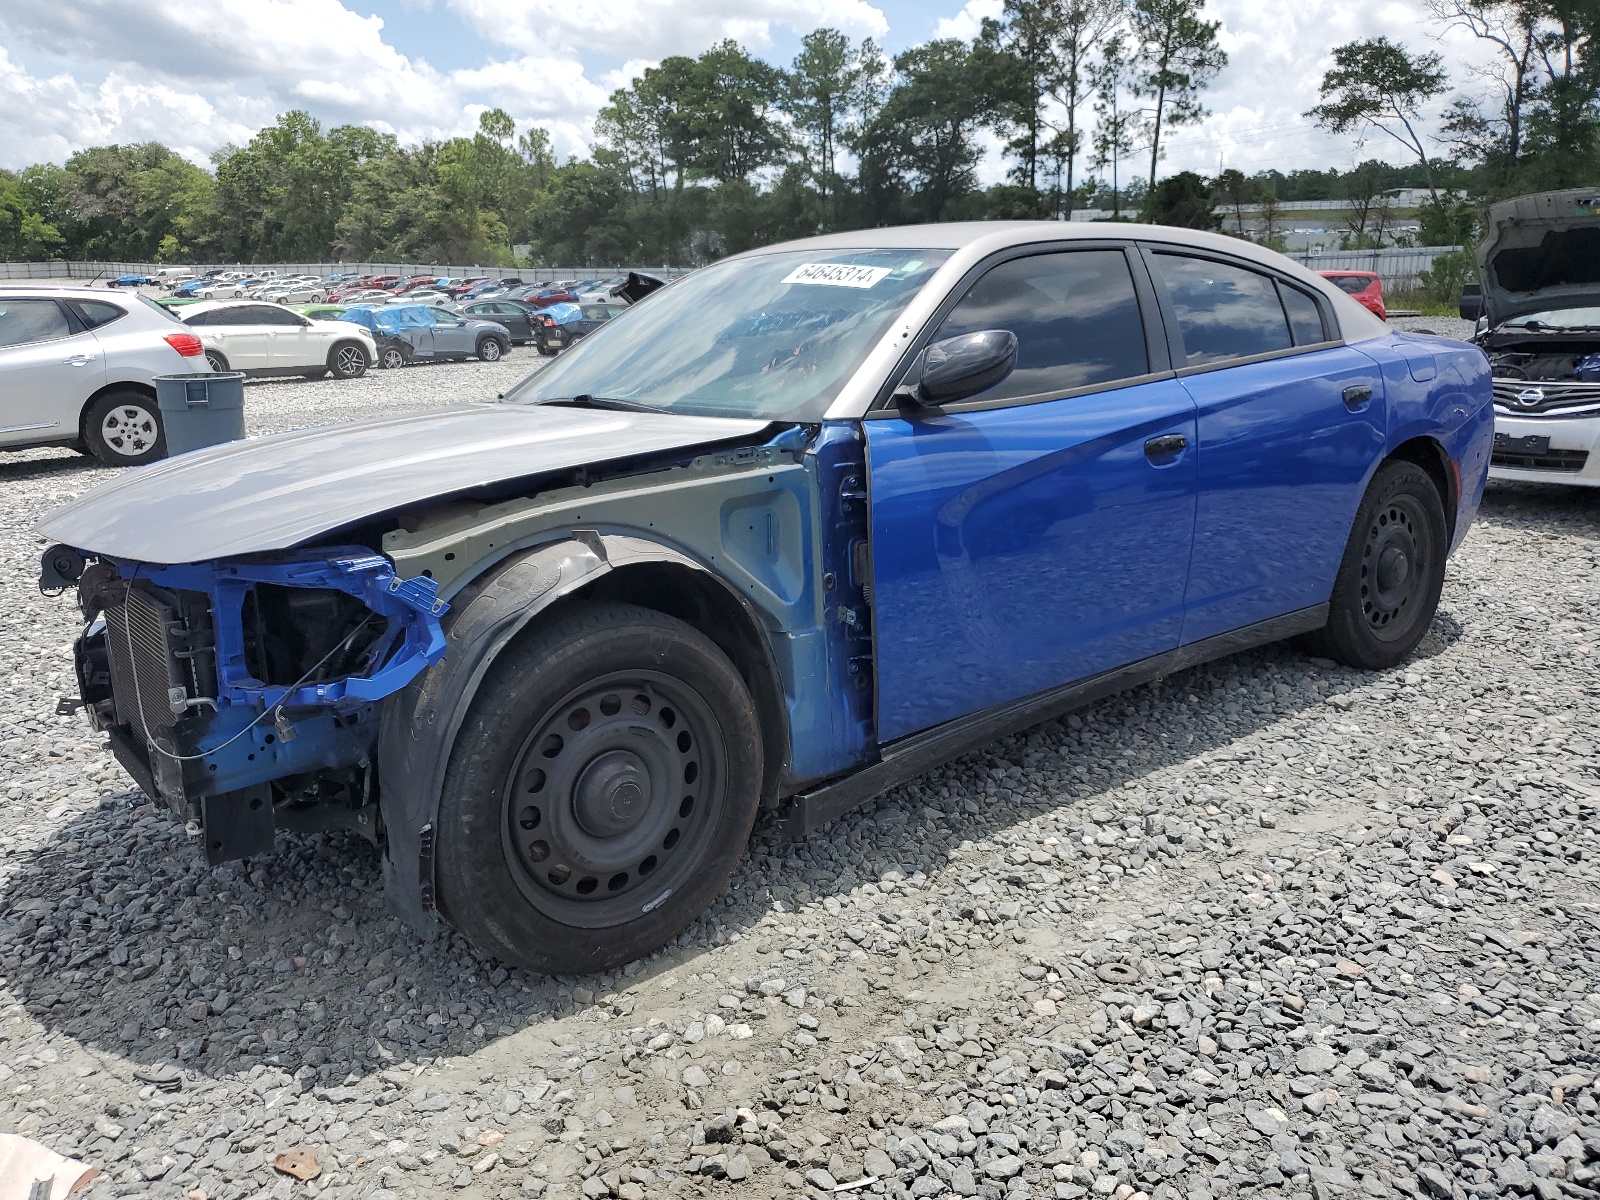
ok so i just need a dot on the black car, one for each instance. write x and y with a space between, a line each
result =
518 316
549 337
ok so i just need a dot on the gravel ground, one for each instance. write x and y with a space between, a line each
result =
1269 927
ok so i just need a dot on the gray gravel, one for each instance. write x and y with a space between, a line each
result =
1269 927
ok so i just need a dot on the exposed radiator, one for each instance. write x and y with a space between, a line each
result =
147 683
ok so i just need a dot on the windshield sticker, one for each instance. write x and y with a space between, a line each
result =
836 274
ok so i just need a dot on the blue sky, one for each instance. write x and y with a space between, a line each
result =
197 74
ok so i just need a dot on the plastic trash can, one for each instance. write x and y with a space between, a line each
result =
201 410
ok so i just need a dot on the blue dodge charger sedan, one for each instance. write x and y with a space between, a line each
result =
784 534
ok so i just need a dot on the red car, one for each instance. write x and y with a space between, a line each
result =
412 284
1363 285
383 281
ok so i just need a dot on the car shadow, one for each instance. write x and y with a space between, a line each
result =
114 934
51 463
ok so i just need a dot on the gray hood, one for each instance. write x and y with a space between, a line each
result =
274 492
1541 252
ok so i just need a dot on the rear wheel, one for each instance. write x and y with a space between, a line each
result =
490 349
600 793
218 362
1389 581
347 361
123 429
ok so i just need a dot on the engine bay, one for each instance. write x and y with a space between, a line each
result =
1545 365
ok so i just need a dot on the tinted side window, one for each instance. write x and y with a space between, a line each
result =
24 321
1075 315
1223 311
266 314
1305 318
96 313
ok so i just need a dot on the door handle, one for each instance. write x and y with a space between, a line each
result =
79 360
1356 395
1165 446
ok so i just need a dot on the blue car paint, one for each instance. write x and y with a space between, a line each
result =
1017 548
1452 408
1283 464
238 741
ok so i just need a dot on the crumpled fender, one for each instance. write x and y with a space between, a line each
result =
420 723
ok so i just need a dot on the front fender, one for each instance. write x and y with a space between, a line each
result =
421 722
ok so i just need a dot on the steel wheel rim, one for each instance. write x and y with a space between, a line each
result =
613 798
351 361
1395 562
129 430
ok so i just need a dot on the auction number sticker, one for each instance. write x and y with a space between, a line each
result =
836 274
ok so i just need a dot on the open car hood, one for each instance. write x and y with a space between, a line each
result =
282 490
1541 252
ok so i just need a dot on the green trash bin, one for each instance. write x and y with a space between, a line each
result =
201 410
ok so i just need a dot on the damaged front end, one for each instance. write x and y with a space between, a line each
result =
246 695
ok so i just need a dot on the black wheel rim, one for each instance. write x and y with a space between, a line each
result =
613 799
1395 563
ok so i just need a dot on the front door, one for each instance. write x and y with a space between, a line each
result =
291 343
1039 532
47 370
1286 441
451 335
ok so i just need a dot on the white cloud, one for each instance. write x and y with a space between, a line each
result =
967 23
657 28
47 119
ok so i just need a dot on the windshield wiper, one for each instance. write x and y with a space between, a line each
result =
585 400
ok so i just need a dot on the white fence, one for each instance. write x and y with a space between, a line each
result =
110 270
1396 267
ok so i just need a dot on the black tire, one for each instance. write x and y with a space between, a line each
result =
391 358
490 349
348 360
1389 580
123 429
544 349
218 361
600 793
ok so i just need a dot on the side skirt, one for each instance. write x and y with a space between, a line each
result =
921 752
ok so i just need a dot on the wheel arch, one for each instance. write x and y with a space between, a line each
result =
421 723
1428 454
124 385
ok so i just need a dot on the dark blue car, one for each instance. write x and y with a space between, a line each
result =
790 531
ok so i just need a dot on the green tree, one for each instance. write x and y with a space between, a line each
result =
25 235
730 110
829 85
1237 191
1178 56
1378 84
1114 125
926 134
1184 200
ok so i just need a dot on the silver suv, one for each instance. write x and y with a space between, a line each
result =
77 368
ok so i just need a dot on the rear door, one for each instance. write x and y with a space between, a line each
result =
49 365
241 333
1290 423
1039 532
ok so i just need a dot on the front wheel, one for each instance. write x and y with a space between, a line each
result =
490 349
1389 580
391 358
123 429
600 793
348 361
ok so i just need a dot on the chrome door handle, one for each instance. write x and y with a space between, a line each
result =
79 360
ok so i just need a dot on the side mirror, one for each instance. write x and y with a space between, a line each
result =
965 365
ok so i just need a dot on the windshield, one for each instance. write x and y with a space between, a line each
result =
1561 318
773 337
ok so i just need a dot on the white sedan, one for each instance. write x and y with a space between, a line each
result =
220 289
295 293
268 339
